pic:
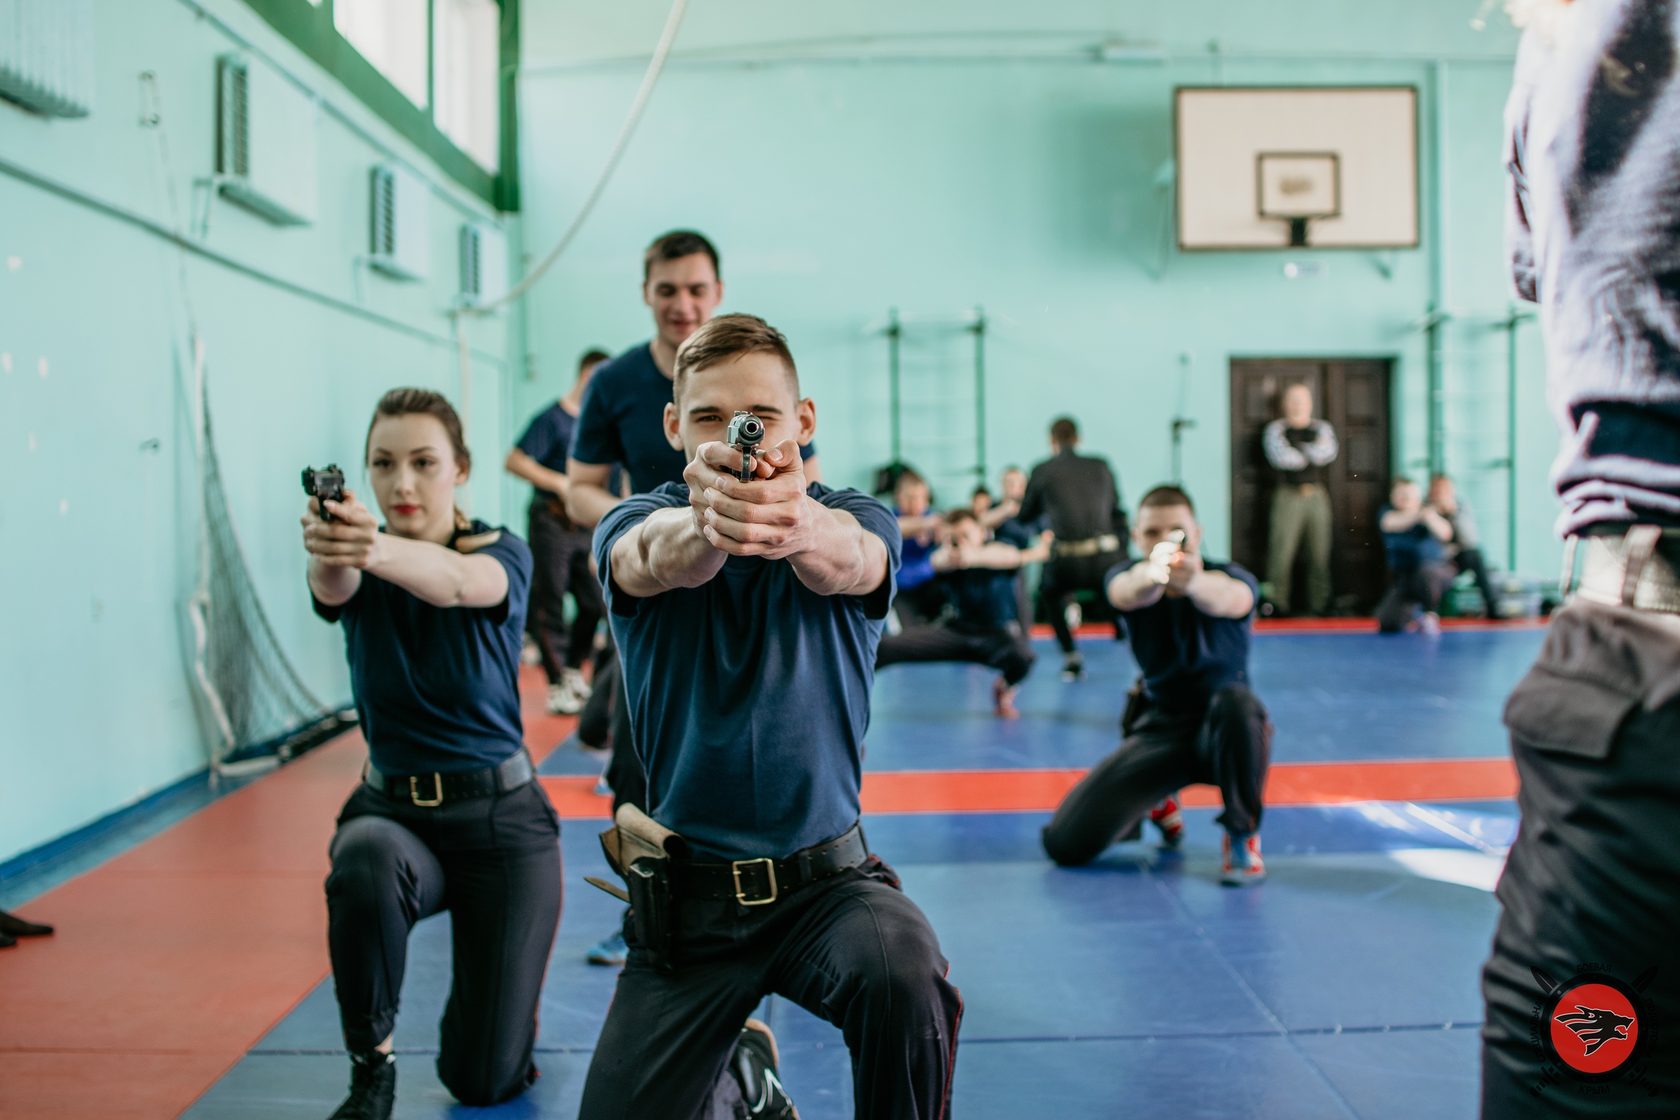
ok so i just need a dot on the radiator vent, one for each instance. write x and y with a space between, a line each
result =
46 55
265 142
483 265
400 226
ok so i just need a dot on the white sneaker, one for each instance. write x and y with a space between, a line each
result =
562 701
573 679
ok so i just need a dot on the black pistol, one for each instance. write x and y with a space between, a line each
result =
326 484
746 432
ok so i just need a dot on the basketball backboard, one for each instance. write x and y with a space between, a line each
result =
1263 167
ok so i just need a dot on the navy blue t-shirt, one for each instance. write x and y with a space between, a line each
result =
984 597
1015 533
916 560
749 695
623 421
436 688
1411 549
1186 655
548 438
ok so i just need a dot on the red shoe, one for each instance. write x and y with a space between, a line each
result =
1003 700
1169 820
1243 865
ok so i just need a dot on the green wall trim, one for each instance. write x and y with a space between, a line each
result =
311 30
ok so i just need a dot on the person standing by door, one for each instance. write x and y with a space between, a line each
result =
1299 450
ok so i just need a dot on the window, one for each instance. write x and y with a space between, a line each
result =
391 35
466 83
434 70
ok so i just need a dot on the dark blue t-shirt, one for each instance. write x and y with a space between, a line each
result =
984 597
623 421
1185 655
1016 533
1412 548
749 695
916 560
548 438
436 688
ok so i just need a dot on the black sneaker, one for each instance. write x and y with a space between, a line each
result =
754 1064
13 926
373 1088
1073 668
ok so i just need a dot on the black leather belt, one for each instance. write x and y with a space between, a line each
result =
1638 568
758 882
431 790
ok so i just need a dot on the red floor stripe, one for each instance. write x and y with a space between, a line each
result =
1036 791
172 959
1325 626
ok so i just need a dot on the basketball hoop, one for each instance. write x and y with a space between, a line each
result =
1298 188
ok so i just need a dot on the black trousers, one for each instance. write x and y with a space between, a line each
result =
560 565
1592 883
851 949
1066 576
1471 560
594 725
1228 744
624 766
1411 590
1005 648
494 864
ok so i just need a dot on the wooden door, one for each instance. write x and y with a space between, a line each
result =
1353 395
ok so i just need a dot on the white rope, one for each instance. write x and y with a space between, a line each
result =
656 65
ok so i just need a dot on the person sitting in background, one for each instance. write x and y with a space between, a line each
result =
1414 539
983 625
1463 548
919 600
13 927
559 547
992 513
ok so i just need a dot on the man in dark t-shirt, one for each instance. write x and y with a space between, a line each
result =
559 548
622 421
747 615
1192 716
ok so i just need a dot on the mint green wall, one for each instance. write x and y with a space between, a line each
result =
100 522
948 153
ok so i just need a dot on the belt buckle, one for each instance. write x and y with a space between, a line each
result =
437 792
740 892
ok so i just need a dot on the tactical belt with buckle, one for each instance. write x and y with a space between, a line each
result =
759 882
1090 546
1638 567
431 790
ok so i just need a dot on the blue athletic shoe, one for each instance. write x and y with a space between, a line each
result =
610 950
